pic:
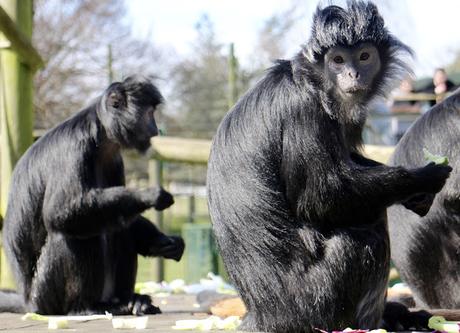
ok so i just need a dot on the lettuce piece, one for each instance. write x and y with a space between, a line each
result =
57 323
138 323
437 159
438 323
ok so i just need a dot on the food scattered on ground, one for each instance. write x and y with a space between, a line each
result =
353 330
399 289
138 323
439 323
178 286
211 323
58 323
229 307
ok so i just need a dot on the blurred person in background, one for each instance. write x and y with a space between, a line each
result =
439 86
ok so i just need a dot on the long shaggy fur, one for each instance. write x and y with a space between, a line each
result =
72 230
298 213
426 249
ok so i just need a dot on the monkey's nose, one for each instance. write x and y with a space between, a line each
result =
353 74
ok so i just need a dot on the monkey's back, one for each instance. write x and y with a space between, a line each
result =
24 231
425 249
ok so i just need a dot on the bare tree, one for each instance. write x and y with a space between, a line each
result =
200 84
73 37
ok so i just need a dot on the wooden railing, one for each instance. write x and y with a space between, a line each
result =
195 151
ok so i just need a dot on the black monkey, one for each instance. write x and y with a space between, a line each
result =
72 230
298 213
426 250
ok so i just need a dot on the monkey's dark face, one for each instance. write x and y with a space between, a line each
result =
127 113
146 128
352 69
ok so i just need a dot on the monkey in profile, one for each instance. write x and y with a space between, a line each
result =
72 230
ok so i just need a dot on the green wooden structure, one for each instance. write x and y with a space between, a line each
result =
18 63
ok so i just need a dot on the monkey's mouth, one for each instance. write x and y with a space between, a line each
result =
356 92
357 89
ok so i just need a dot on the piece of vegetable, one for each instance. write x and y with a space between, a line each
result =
34 316
439 323
57 323
211 323
63 321
138 323
437 159
354 330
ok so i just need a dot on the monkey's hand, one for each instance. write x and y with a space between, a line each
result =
432 177
419 203
158 198
169 247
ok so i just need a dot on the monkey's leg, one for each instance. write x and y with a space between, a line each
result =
68 276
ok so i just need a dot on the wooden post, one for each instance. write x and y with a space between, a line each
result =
16 116
156 179
191 208
232 77
110 63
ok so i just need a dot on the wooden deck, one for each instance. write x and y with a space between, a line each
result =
177 307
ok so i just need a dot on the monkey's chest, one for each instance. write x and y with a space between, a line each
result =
108 175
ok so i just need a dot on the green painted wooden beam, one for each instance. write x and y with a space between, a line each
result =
16 102
19 41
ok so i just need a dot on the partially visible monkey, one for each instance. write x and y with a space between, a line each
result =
72 230
426 250
299 214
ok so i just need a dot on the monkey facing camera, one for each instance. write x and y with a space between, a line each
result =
72 231
298 212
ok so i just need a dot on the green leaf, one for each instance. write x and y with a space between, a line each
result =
437 159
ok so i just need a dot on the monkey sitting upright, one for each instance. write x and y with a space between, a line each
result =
72 230
298 213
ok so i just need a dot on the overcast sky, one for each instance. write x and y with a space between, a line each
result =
431 28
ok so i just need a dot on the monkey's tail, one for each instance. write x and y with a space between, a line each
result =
10 301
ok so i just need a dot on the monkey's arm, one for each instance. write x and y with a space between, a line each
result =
75 211
151 242
364 161
419 203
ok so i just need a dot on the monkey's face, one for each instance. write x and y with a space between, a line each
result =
127 113
145 129
352 70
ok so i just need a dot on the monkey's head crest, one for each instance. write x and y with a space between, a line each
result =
359 22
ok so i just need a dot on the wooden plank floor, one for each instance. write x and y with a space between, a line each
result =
177 307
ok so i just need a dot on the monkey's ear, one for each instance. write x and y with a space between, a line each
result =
116 98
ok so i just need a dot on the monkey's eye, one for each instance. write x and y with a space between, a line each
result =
151 111
338 60
364 56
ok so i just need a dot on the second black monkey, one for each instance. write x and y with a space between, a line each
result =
299 214
72 230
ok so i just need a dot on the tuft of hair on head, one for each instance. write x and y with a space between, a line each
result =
140 90
359 22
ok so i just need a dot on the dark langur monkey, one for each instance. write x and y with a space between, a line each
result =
72 230
426 250
298 212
